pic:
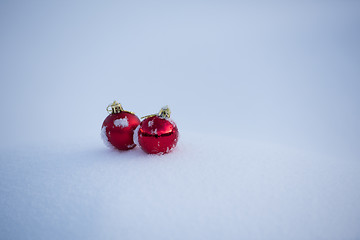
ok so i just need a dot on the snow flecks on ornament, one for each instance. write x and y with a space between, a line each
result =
150 123
154 131
136 136
105 138
121 122
170 149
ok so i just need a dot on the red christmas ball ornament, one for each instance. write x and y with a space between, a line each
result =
118 128
157 134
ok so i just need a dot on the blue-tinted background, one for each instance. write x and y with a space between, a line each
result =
279 73
284 72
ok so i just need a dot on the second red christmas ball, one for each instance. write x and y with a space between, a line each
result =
157 134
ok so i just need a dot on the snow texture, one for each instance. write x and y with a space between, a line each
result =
265 96
121 122
203 189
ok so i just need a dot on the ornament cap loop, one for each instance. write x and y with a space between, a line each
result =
147 116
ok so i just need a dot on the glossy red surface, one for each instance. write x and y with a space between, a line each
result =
119 129
158 135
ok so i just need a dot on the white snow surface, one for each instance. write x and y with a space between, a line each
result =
121 122
208 187
265 96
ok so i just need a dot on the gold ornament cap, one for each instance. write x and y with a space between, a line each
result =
165 112
115 107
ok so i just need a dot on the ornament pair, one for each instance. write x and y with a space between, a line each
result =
156 134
